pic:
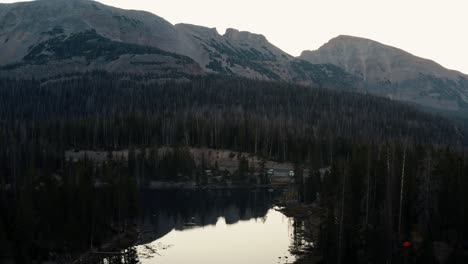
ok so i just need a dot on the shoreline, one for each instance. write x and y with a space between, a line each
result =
192 186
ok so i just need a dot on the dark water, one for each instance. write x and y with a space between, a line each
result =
222 226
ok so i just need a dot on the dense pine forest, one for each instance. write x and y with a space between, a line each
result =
397 174
102 110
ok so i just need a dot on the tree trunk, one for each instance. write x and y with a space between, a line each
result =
340 234
402 189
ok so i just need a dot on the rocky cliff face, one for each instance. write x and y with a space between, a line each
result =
238 53
395 73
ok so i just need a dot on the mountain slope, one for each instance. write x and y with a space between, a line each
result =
394 73
52 37
28 23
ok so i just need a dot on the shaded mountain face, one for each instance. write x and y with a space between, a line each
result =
394 73
52 37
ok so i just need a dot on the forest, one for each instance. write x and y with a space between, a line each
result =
397 173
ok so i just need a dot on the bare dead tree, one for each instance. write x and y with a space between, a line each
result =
402 190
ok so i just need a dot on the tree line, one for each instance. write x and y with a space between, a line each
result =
377 197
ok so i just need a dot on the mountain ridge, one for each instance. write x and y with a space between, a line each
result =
52 37
43 29
306 53
395 73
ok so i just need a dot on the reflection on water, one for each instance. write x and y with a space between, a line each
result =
261 240
224 226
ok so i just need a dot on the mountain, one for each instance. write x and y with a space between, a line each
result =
241 53
49 38
45 38
245 54
394 73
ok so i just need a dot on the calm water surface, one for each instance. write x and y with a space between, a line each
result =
214 227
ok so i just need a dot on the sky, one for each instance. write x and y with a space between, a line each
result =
433 29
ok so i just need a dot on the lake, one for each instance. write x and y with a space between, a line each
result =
221 226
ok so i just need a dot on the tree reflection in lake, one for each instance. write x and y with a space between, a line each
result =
163 211
193 226
210 226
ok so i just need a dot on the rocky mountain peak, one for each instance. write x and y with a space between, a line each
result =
244 36
395 73
374 61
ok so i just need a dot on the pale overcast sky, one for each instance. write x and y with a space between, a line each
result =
434 29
